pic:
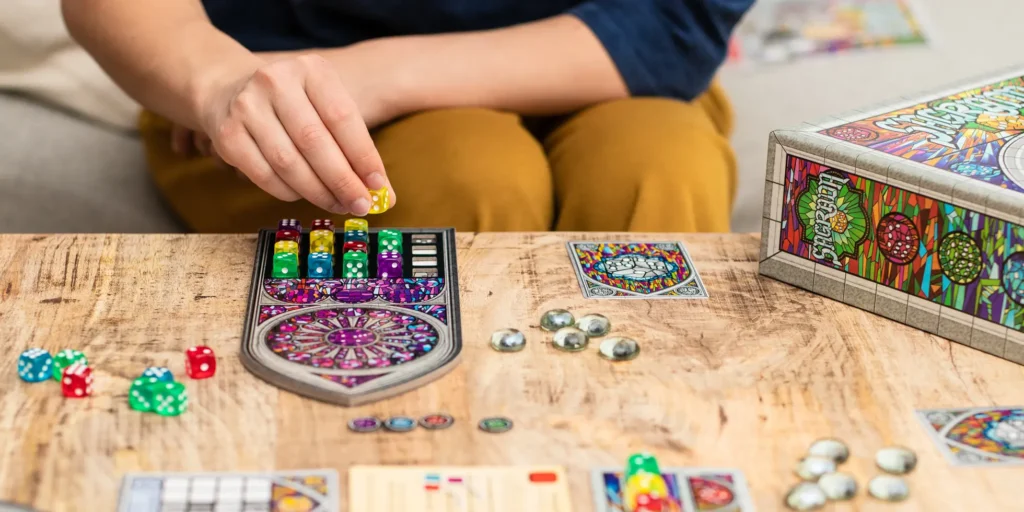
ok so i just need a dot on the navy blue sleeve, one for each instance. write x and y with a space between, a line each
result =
664 47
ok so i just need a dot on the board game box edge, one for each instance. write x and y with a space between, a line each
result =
284 382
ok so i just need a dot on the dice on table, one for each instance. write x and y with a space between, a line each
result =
321 240
320 265
323 224
355 265
76 381
286 246
140 394
200 362
158 374
380 200
65 358
354 245
389 264
286 265
357 236
35 365
169 398
357 225
287 235
293 224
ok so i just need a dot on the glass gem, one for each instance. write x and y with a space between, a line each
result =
508 340
35 365
896 460
65 358
286 246
556 319
806 496
571 339
436 421
286 265
496 425
619 349
399 423
831 449
838 486
888 488
380 200
811 468
366 424
594 325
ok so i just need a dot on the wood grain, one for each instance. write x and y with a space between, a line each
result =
746 379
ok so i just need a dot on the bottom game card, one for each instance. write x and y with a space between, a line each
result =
309 490
972 436
689 489
458 489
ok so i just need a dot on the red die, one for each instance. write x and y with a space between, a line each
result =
287 234
354 245
323 224
76 381
200 362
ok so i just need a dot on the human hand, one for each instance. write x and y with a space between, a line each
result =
292 129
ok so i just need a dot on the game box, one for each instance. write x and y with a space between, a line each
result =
912 210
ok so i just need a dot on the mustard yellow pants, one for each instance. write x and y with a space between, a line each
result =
640 164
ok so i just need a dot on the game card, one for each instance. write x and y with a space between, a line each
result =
635 270
310 490
458 489
689 489
979 436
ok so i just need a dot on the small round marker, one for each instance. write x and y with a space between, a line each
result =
363 425
399 423
495 425
436 421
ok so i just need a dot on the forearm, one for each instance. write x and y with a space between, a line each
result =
165 54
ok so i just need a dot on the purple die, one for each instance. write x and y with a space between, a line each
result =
389 264
290 224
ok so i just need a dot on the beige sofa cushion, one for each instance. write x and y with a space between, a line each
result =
38 58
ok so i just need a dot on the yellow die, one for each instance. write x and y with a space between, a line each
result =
286 246
321 240
357 225
380 200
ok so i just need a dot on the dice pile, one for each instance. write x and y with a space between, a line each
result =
643 487
154 391
286 249
69 367
354 260
389 253
355 251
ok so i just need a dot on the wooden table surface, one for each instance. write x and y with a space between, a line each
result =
746 379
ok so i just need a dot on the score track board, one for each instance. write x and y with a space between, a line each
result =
354 341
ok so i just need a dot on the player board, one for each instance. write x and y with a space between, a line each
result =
314 490
353 341
912 210
458 489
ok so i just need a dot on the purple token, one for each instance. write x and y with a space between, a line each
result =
366 424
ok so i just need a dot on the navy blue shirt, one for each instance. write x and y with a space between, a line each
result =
661 47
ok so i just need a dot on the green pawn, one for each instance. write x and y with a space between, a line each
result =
65 358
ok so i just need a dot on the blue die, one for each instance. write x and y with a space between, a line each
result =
320 265
158 374
35 365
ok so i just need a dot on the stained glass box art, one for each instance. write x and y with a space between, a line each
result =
912 210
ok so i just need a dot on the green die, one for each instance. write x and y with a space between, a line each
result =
65 358
389 240
355 265
140 395
169 398
641 463
286 265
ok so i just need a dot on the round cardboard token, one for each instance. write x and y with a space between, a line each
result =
365 424
400 424
436 421
496 425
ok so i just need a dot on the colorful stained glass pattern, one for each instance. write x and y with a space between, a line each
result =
689 490
354 291
977 133
978 436
298 494
295 291
268 312
635 270
712 492
960 256
351 338
612 492
437 311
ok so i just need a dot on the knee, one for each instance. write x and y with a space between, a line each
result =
477 169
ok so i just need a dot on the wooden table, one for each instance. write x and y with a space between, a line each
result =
746 379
